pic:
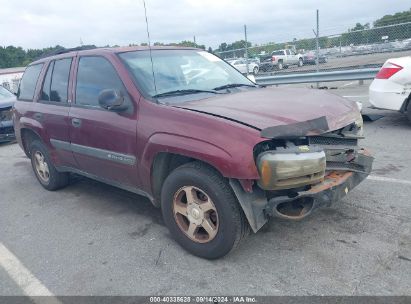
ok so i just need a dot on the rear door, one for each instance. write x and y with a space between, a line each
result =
103 142
52 109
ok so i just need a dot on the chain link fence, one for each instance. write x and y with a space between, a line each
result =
356 49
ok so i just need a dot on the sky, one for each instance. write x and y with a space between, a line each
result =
44 23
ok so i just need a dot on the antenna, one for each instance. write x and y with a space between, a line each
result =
149 47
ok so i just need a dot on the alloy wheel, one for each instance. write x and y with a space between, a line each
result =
42 169
195 214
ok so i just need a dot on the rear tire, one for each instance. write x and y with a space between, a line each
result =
206 187
43 168
300 62
280 65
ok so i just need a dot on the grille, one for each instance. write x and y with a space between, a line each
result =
324 140
7 130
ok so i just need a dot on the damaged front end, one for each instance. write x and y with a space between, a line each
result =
301 172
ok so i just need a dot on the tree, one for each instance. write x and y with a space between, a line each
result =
222 47
360 27
236 46
397 18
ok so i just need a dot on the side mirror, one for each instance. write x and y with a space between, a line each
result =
112 100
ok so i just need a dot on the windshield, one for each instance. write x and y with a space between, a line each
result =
180 70
5 94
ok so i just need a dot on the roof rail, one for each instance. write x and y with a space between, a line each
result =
63 50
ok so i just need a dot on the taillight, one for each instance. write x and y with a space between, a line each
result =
273 58
387 70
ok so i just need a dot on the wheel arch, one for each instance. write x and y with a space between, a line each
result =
406 106
163 164
28 135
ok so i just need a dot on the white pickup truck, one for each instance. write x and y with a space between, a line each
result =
282 59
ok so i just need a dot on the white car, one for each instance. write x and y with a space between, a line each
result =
241 65
391 88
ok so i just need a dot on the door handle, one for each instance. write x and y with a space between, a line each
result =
38 116
76 122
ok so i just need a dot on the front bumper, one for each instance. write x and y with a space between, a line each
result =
7 131
341 178
342 175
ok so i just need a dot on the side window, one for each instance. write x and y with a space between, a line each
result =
28 82
55 86
45 90
94 75
59 80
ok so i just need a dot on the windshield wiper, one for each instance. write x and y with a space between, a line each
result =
184 92
233 85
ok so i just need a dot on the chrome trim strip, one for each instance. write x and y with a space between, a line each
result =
94 152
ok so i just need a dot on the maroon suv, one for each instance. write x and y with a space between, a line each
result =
218 153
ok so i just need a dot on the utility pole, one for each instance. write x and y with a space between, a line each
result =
246 47
195 40
317 52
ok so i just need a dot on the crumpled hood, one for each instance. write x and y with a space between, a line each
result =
270 107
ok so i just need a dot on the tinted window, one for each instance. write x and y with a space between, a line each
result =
29 81
55 86
94 75
45 91
277 53
59 80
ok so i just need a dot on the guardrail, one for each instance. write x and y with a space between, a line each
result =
360 74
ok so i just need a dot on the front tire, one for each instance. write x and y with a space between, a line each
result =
44 169
300 62
201 212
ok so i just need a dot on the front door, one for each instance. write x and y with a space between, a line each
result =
103 142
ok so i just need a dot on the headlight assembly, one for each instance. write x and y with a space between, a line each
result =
290 168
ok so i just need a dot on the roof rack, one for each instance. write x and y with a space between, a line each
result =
63 50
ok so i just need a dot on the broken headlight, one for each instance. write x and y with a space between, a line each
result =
288 168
